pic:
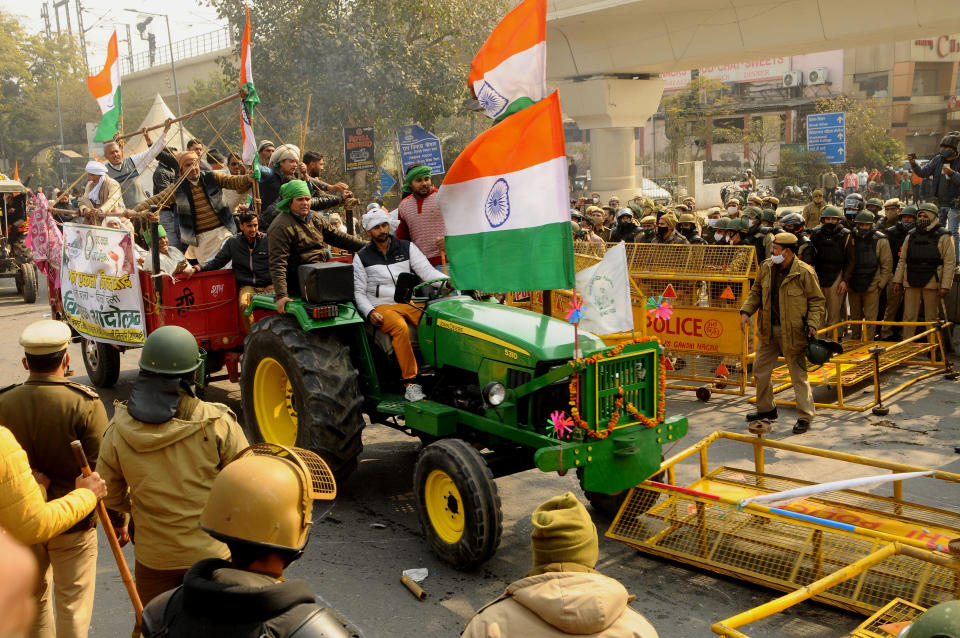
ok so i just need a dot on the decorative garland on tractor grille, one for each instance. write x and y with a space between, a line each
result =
618 403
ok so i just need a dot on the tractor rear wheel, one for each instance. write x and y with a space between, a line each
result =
458 503
102 362
299 388
29 277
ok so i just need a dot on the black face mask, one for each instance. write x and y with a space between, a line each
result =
830 227
908 225
663 231
625 227
923 223
686 232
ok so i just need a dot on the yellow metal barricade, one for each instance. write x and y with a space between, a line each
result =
705 285
865 361
853 549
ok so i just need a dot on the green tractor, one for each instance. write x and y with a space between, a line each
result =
494 377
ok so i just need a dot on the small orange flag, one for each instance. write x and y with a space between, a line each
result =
728 294
721 370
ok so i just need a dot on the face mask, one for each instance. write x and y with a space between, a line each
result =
908 225
686 232
732 209
596 200
663 231
923 223
777 259
863 232
719 237
946 152
648 231
712 223
625 227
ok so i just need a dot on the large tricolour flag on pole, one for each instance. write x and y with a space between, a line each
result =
105 87
250 102
505 207
511 64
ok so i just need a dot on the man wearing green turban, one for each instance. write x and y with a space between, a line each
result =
419 213
298 237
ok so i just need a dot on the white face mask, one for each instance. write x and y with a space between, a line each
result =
732 209
712 223
777 259
719 236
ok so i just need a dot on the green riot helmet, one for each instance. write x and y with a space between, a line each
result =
819 351
864 217
940 621
170 350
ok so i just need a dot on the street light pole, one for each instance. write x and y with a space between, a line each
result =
56 83
173 66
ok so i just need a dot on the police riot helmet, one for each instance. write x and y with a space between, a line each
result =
852 204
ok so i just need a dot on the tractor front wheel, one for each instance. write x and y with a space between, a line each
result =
299 388
458 503
608 505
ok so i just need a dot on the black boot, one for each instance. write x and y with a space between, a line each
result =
802 426
757 416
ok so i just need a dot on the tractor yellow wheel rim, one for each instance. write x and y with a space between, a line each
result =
274 403
444 506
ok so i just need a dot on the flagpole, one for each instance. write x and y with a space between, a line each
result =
242 93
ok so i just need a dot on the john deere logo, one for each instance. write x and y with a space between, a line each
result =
600 292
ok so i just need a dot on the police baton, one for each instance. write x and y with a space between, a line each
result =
125 574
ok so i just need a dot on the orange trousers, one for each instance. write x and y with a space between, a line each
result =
395 318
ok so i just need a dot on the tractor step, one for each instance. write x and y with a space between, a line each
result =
395 406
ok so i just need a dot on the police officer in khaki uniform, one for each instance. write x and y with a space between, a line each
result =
159 457
791 306
868 269
259 506
926 268
45 414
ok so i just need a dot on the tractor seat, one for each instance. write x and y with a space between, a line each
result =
385 343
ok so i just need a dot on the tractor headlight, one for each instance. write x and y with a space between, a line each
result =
494 393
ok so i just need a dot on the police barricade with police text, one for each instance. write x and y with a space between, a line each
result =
705 287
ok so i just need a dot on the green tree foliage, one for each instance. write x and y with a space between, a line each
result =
28 101
761 135
799 167
688 114
868 143
384 63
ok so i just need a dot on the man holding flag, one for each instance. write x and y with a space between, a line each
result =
420 219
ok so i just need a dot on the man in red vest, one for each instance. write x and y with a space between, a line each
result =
420 218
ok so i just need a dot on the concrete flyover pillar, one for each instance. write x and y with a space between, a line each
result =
610 108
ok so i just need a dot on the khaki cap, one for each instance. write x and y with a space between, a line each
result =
45 337
892 203
688 218
649 219
594 209
771 199
785 239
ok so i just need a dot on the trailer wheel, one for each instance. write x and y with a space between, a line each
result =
299 388
102 362
458 503
29 286
608 505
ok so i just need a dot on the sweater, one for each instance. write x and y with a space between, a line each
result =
422 223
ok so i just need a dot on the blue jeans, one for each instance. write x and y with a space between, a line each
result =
950 218
170 223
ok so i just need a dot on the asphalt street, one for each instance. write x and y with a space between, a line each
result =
360 543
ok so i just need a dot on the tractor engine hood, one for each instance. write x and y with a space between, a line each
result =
462 328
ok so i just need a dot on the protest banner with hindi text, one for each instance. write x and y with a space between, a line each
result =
101 292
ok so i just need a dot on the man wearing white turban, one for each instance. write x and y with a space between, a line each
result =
102 192
375 271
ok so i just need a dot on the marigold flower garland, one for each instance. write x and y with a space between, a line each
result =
618 402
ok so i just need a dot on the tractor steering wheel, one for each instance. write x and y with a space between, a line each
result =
432 294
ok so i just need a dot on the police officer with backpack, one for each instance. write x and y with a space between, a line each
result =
260 506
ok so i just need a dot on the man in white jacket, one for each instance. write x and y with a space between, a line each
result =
375 270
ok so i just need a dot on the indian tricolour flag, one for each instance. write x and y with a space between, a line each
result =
105 87
505 207
511 64
250 102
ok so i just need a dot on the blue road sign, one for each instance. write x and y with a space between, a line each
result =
386 183
827 133
417 146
